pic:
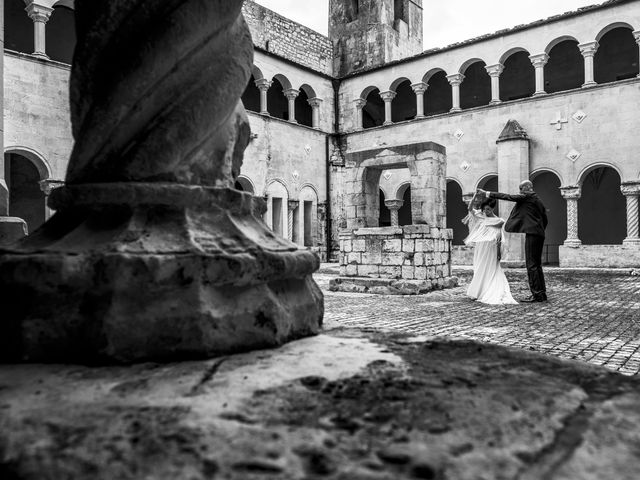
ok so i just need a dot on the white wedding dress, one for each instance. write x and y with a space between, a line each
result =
489 283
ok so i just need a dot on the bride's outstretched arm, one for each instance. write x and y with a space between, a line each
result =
472 201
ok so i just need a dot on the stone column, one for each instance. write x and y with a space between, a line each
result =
292 205
636 35
291 95
588 50
393 206
40 16
122 290
494 72
387 97
572 194
315 111
419 88
513 168
631 190
539 61
263 85
455 80
359 104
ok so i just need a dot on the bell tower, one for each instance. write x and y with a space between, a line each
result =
367 33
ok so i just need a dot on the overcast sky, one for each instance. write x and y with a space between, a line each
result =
446 21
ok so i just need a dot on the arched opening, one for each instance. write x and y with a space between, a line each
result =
475 91
565 68
306 219
518 78
277 208
616 57
547 186
61 34
277 104
244 185
456 211
601 208
384 216
437 98
373 111
18 27
399 12
404 213
304 112
251 96
403 106
490 184
26 199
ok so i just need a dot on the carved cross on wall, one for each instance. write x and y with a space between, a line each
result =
559 121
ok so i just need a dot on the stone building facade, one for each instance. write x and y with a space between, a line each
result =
570 84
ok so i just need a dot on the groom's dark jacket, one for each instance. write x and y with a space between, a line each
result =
528 215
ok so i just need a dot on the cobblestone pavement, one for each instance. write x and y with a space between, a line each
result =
591 316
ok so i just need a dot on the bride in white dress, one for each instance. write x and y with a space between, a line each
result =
489 283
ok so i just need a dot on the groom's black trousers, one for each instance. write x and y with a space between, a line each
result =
533 245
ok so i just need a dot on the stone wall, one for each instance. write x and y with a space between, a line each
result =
288 39
412 252
611 256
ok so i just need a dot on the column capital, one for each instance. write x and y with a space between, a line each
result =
494 70
572 192
359 103
588 49
49 184
394 204
263 83
455 79
631 188
419 87
293 204
539 60
291 93
315 101
388 96
39 13
636 35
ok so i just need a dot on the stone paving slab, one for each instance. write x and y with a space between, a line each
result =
592 316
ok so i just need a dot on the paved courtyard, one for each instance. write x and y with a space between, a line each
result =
591 316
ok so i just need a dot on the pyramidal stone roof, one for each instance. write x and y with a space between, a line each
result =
512 131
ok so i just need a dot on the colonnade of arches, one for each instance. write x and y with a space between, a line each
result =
564 65
277 98
39 29
296 219
600 210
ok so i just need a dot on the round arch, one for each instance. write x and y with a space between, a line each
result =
284 81
468 63
65 3
538 171
401 190
276 215
398 81
306 187
587 170
306 88
510 52
427 76
612 26
484 179
556 41
246 184
365 93
257 72
38 160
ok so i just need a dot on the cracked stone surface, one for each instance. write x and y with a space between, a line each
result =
346 405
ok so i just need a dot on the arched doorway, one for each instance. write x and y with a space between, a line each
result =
490 184
456 211
251 96
373 111
475 91
403 106
437 98
565 68
26 199
601 208
547 186
616 57
61 34
404 213
518 78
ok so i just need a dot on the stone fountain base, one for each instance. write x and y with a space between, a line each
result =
169 272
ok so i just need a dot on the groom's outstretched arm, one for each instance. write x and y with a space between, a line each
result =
506 196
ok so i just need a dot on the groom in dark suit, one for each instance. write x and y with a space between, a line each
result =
529 217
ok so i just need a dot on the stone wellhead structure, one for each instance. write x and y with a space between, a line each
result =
569 82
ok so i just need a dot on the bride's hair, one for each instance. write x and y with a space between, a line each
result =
491 202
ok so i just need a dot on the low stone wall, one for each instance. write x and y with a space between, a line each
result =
413 259
611 256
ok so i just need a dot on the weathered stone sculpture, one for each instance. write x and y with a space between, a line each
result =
152 254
